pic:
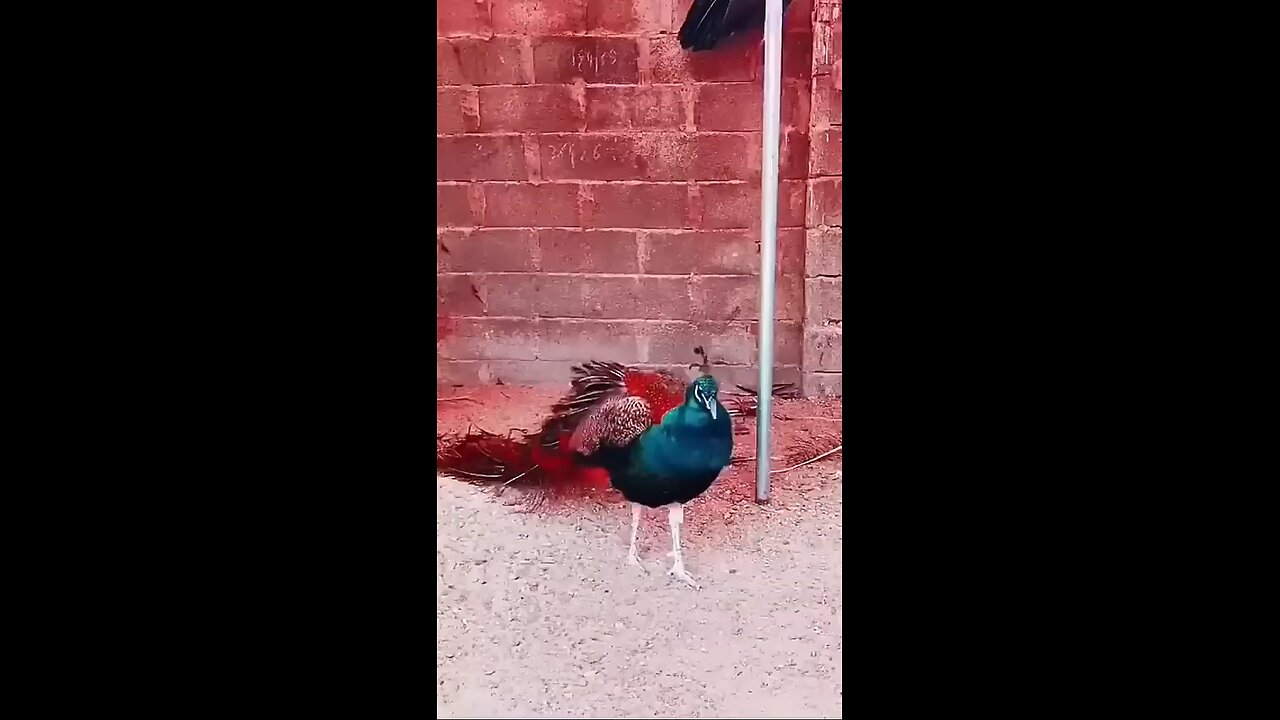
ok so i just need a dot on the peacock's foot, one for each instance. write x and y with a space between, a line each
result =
678 571
633 559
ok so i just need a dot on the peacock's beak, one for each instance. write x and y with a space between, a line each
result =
711 408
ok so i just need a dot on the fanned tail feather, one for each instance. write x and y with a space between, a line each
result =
484 458
593 383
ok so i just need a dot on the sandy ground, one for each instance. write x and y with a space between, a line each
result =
539 615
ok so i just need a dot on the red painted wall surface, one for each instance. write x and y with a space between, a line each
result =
598 192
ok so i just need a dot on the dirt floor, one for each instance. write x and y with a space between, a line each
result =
539 615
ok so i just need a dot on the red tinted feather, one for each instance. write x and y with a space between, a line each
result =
660 390
483 458
480 456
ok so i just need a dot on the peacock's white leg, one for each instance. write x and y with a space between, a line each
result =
632 557
675 516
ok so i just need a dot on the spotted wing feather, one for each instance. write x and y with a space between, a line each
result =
617 422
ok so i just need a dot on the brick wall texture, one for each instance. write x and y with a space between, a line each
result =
598 192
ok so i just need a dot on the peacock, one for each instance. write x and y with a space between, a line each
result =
662 441
710 21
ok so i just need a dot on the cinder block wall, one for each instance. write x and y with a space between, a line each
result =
598 192
823 284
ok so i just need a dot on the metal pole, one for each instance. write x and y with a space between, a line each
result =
768 236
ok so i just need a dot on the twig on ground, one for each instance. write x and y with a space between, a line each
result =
526 472
832 451
456 397
735 461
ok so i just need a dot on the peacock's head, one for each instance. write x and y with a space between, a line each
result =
702 393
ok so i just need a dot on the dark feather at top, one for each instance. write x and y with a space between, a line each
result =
710 21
